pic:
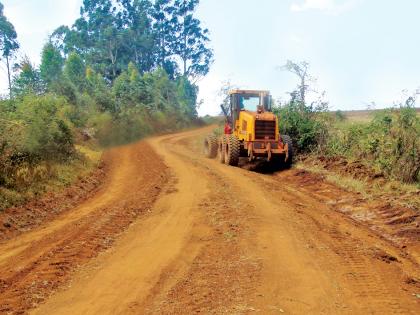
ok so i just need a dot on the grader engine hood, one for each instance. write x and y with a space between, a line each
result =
254 126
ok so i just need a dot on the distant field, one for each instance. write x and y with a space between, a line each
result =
365 115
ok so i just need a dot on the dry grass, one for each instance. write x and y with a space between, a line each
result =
368 188
345 182
364 116
50 178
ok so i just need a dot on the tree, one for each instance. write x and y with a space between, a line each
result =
163 30
28 80
190 42
52 62
99 36
301 70
8 43
302 121
188 94
137 16
75 70
99 90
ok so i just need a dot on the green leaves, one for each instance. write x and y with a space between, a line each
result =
191 40
8 36
28 81
164 33
75 70
52 63
8 44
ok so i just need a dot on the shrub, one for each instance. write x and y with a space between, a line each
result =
47 133
35 130
389 143
306 125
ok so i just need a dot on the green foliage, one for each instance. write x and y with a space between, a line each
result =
75 71
47 134
113 75
8 36
306 125
190 40
52 63
390 142
150 34
28 80
340 116
34 130
8 43
98 89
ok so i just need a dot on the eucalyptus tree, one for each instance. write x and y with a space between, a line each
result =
52 63
190 42
8 43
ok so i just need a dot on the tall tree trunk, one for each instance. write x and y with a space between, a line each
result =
185 55
8 76
302 93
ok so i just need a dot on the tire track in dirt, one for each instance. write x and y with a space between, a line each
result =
37 263
226 240
377 284
118 282
370 269
224 271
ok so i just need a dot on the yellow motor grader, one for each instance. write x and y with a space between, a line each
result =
251 130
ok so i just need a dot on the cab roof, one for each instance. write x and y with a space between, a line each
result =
253 92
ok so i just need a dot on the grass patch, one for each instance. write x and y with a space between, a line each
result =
345 182
368 188
51 177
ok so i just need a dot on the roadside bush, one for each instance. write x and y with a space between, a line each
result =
34 132
390 143
47 132
306 125
395 143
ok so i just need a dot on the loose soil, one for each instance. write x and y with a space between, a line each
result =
171 232
23 218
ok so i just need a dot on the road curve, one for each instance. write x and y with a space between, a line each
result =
212 239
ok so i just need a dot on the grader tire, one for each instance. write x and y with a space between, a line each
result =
287 140
221 148
232 150
210 146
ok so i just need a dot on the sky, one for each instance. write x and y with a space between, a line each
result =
360 51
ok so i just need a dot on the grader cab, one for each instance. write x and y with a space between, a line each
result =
251 130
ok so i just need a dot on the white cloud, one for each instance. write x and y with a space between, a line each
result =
326 6
295 39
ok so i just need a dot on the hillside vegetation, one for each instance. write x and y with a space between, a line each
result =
123 70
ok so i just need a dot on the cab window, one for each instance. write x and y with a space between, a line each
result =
249 102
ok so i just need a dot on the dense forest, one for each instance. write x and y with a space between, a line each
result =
123 70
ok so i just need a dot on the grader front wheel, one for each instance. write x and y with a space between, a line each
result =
210 146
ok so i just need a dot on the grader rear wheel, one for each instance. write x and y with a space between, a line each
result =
210 146
232 150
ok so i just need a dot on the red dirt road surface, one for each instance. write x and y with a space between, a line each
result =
171 232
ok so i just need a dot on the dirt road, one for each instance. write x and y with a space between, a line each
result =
174 233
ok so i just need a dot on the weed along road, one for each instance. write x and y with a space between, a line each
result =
171 232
